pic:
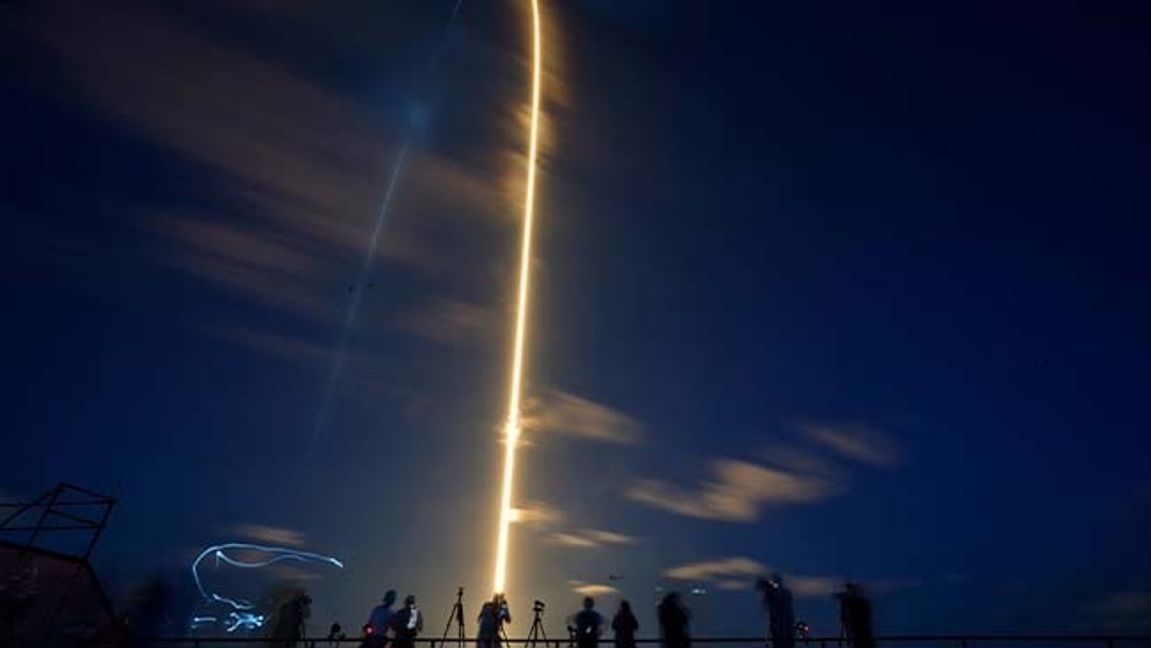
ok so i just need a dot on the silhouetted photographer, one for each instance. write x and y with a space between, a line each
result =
855 616
493 615
777 603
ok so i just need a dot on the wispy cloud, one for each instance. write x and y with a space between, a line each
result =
857 442
733 584
740 573
559 412
813 586
721 569
589 538
591 589
888 585
271 535
738 491
450 321
298 168
796 458
536 513
271 270
275 344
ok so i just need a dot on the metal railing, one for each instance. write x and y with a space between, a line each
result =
891 641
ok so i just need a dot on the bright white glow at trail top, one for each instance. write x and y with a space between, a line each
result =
512 425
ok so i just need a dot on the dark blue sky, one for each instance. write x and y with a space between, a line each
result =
843 290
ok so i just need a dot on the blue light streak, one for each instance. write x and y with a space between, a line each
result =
416 124
242 615
245 621
357 297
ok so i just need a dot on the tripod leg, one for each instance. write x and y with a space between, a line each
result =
457 613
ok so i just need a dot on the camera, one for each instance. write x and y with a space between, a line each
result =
538 606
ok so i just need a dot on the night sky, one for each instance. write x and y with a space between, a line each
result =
845 290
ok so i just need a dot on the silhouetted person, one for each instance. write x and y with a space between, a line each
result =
493 615
674 620
149 612
289 627
407 623
588 625
780 611
379 621
624 626
855 616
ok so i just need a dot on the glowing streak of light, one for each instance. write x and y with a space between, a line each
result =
512 426
359 288
278 554
244 620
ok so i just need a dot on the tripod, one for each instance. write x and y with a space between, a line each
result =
536 634
457 615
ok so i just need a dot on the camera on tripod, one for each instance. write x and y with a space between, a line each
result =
538 606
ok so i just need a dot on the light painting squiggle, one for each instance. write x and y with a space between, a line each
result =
242 615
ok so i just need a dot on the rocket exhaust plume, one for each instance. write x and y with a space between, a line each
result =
512 424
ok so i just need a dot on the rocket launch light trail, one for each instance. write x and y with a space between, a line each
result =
512 425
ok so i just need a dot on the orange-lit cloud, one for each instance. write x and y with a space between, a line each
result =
451 321
271 535
740 573
813 586
297 169
591 589
857 442
718 569
559 412
536 513
738 491
589 538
